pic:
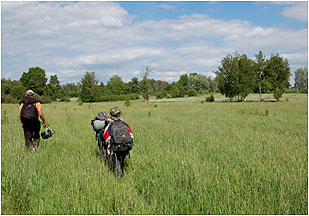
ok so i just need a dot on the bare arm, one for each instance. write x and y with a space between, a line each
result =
42 117
22 124
20 107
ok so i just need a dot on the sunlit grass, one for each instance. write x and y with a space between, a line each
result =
188 158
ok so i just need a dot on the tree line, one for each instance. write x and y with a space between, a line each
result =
237 76
89 89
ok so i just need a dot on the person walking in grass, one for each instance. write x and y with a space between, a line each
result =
116 116
118 136
30 109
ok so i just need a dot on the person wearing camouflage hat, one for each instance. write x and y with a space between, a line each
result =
115 113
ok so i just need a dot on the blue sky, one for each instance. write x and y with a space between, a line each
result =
259 13
174 38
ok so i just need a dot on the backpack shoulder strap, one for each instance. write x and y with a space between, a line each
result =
22 101
27 101
30 101
116 123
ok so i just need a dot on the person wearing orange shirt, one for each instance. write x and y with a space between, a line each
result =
30 109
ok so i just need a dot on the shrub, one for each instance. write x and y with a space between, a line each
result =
80 103
175 92
278 93
8 99
160 95
119 97
127 103
134 96
192 92
211 98
64 99
43 99
292 90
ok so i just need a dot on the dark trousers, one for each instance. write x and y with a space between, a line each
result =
32 134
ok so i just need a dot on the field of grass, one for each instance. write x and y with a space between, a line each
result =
189 158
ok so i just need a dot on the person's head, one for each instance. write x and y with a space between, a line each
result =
115 113
29 93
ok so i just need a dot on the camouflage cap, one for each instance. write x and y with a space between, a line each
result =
115 113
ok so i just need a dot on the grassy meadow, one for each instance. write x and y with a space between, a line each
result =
188 158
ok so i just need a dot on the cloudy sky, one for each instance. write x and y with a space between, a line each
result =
174 38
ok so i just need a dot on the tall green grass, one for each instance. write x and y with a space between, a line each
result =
188 158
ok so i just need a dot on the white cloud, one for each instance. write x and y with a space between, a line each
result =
167 7
295 9
299 11
296 58
71 38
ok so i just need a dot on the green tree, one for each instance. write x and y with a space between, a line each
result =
184 82
34 79
259 70
134 85
102 87
145 83
69 90
278 72
5 86
12 88
53 88
116 86
301 79
200 83
235 76
156 86
245 76
90 90
175 92
192 92
227 76
18 91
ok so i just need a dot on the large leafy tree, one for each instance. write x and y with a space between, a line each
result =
18 90
227 76
157 86
116 86
134 85
301 79
183 82
5 86
13 87
69 90
34 79
235 76
90 90
200 83
53 88
259 70
278 72
245 76
175 92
